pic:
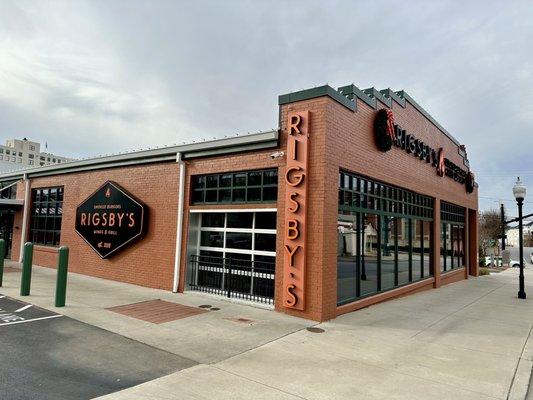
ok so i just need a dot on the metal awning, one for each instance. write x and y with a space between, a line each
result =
11 204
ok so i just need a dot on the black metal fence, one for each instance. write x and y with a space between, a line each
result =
243 279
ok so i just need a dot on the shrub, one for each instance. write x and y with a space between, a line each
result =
484 271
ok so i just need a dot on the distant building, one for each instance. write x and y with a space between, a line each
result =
24 153
512 234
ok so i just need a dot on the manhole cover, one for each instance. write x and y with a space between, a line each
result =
205 306
315 330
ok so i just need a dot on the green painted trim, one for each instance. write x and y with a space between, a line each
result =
352 91
390 93
373 93
383 213
313 93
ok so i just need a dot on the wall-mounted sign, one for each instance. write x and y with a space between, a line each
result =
296 180
109 219
388 134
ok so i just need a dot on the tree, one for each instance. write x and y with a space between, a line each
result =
490 230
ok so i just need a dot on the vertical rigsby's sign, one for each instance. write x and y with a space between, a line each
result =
296 181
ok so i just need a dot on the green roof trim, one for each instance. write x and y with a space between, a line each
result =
347 95
313 93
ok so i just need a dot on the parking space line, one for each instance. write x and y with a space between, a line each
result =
24 308
30 320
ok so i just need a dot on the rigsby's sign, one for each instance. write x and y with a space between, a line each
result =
296 181
109 219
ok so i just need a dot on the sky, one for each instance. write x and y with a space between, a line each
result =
100 77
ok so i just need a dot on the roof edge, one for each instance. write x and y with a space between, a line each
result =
254 141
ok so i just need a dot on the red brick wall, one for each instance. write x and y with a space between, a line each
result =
148 261
343 139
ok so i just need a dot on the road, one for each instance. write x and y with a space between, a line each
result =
45 355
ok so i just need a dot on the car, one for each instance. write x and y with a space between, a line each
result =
497 261
531 258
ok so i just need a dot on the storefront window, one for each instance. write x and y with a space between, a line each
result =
453 236
46 216
417 250
403 251
240 187
388 253
369 254
237 250
384 237
347 260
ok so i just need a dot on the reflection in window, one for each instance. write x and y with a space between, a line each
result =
369 256
380 250
46 216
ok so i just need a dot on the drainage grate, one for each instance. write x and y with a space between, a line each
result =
157 311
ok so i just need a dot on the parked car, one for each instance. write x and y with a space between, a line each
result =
497 261
531 258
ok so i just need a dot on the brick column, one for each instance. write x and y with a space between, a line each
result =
473 265
436 242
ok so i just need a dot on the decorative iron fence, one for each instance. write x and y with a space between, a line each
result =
243 279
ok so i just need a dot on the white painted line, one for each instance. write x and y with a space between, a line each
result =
24 308
31 320
1 297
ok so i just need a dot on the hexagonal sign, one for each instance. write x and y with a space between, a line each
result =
109 219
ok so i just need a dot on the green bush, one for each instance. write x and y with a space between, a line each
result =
484 271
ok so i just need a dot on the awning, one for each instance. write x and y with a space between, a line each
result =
11 204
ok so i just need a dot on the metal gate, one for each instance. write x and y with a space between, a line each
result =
233 278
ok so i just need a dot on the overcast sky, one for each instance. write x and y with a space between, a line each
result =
101 77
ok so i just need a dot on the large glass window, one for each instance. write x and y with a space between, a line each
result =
46 215
236 250
240 187
452 236
384 237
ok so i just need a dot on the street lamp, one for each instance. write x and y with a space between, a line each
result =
519 191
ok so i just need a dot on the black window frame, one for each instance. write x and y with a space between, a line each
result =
359 196
235 188
46 216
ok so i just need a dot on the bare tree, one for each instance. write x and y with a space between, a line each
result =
490 229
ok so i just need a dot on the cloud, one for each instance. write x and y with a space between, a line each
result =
100 77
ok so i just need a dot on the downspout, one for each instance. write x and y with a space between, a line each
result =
179 229
25 214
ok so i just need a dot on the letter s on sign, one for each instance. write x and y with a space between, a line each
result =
292 300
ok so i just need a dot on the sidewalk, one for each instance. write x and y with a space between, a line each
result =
468 340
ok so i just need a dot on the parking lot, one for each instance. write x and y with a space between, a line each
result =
45 355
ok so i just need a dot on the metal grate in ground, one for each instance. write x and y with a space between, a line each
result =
157 311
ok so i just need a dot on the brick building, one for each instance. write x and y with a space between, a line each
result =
360 196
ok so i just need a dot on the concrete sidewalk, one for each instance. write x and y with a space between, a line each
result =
468 340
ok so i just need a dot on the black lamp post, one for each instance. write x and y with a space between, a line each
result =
519 191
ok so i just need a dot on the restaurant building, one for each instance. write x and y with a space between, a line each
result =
358 197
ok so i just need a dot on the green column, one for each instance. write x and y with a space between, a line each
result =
2 255
27 260
62 269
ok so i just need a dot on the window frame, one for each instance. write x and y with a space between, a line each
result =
38 199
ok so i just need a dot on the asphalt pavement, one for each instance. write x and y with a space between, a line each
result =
45 355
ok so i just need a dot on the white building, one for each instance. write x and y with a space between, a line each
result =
512 233
24 153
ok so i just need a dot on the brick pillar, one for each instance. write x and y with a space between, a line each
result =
436 242
473 267
466 243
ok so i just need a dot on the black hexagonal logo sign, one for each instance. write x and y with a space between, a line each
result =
110 219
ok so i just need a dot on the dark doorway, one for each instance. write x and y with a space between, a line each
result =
6 229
